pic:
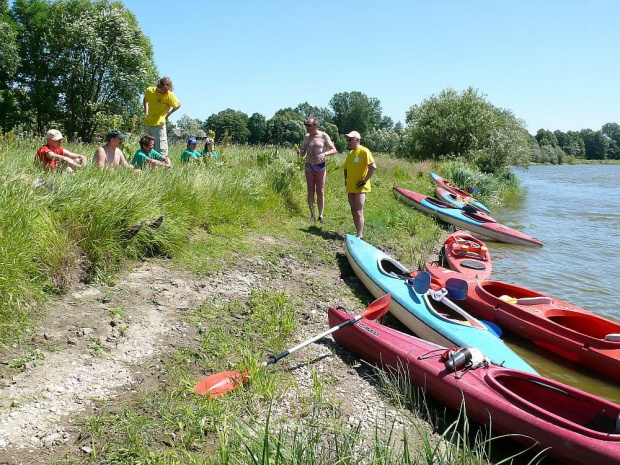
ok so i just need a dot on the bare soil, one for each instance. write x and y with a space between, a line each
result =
100 346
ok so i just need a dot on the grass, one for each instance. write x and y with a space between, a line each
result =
52 237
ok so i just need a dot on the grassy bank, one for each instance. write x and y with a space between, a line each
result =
74 229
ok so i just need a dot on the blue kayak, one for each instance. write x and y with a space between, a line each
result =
476 222
439 321
459 194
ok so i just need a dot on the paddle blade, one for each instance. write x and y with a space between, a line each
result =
378 308
220 383
492 327
421 282
457 288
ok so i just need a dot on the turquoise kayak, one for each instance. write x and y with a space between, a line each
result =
439 321
459 194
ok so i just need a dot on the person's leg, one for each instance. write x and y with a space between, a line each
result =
356 201
163 140
320 178
310 182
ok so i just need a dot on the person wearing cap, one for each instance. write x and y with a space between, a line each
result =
190 153
317 146
159 103
208 151
148 156
53 155
110 154
358 169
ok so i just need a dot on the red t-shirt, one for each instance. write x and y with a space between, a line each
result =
49 163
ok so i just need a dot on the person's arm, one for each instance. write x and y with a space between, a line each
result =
371 169
75 156
172 110
345 177
302 151
122 161
99 158
145 105
332 148
63 158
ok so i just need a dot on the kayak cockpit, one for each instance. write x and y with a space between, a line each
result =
390 267
584 323
558 403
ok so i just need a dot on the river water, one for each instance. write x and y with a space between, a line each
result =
575 212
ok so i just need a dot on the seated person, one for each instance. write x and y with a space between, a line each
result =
147 155
110 154
53 155
190 153
208 152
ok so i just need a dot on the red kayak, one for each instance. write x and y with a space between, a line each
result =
560 327
570 425
467 255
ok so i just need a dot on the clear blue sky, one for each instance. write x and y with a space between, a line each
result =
553 63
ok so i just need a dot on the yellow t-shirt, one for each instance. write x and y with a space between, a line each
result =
159 106
357 164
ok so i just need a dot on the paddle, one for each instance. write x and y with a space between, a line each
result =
421 282
456 289
220 383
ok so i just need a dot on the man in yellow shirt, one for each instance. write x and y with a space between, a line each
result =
358 169
159 103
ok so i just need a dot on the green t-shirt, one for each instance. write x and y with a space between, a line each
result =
189 155
139 158
212 154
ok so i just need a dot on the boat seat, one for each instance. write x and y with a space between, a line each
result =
613 337
473 264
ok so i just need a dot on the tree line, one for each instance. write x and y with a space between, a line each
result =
82 66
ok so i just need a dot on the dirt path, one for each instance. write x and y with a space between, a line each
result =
98 343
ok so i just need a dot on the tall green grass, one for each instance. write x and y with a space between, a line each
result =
53 236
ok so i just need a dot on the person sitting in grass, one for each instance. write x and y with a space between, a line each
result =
190 154
110 154
53 156
208 152
148 156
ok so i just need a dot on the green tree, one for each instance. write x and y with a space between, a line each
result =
612 131
285 128
596 144
382 140
323 114
546 137
257 126
9 63
355 111
231 122
465 124
84 64
189 126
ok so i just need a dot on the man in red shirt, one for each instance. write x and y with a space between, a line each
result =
52 154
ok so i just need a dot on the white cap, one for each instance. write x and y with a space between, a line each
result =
54 134
354 134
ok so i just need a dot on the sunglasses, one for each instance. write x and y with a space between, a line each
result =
308 125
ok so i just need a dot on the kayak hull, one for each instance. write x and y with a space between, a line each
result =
433 321
569 331
573 426
481 224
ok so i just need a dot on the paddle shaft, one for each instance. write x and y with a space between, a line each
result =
274 358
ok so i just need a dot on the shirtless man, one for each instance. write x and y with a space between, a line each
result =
110 154
317 146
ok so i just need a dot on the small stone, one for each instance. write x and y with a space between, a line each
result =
38 338
86 449
72 341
